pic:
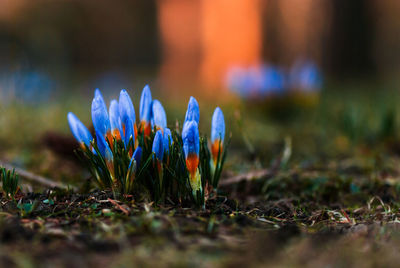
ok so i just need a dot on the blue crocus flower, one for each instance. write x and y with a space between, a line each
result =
158 147
159 115
217 133
115 120
191 139
145 110
127 115
193 111
137 156
191 148
167 140
218 125
129 132
78 129
103 147
105 151
100 119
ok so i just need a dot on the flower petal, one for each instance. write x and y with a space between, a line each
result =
191 139
115 120
100 119
158 148
159 115
167 139
193 111
217 126
78 129
137 155
145 105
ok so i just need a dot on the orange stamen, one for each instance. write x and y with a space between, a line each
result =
109 136
135 130
216 148
192 162
116 134
145 128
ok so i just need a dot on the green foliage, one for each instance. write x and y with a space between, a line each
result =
9 182
210 172
150 180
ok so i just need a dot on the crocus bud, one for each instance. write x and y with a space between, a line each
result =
167 139
191 148
103 147
100 118
159 115
158 147
145 110
137 155
217 133
127 116
193 111
129 133
115 120
80 132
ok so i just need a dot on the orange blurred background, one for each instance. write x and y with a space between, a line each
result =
193 43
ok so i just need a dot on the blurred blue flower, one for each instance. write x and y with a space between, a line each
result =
26 85
158 147
159 115
256 80
78 129
305 75
272 80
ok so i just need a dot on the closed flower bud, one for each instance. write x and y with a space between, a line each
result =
159 115
145 110
80 132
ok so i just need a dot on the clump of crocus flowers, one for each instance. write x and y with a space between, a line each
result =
145 159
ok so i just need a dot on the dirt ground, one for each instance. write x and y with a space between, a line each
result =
303 187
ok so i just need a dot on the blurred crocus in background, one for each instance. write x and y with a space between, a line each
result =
305 76
268 81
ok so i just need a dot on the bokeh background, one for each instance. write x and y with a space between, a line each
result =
179 43
54 53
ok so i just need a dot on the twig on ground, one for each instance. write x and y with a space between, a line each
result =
36 178
256 174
